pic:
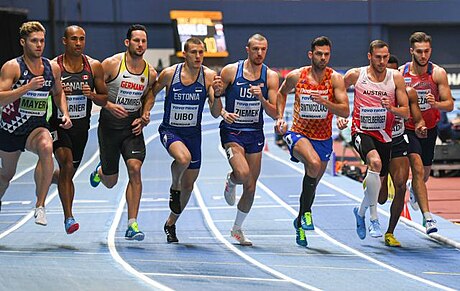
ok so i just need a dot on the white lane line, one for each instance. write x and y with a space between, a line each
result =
111 240
25 202
220 237
406 221
442 273
216 277
49 198
254 235
336 242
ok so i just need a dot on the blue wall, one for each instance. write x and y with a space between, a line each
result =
288 25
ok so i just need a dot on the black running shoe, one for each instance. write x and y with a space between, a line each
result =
171 233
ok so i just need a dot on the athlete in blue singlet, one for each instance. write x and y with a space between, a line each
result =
25 83
187 85
250 88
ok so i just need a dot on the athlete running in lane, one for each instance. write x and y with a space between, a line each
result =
129 80
25 83
188 85
82 78
250 88
319 94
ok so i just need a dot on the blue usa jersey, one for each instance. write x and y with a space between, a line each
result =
239 100
183 106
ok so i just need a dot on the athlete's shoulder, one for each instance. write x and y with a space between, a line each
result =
113 60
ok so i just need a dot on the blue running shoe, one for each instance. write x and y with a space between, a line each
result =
374 228
300 237
71 225
307 221
133 232
360 224
94 178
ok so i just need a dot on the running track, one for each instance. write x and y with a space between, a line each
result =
97 257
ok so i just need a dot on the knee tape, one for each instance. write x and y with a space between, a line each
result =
174 201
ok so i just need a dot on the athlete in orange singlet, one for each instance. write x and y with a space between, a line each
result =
319 93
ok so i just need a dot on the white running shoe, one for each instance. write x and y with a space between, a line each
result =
430 226
374 228
40 216
238 234
412 200
230 191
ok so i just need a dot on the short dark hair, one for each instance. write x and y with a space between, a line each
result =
419 36
68 28
192 40
133 28
393 60
258 37
377 44
320 41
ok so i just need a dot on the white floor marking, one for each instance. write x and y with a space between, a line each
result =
215 277
330 239
220 237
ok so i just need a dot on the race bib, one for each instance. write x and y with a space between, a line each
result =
183 115
34 103
130 99
76 105
310 109
373 118
422 101
248 111
398 127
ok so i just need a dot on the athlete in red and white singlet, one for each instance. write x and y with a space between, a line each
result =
379 95
369 117
431 85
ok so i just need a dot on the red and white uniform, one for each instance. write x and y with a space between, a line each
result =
311 119
423 84
369 117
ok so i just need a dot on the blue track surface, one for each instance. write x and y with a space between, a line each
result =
98 258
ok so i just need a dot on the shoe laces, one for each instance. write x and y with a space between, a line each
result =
135 227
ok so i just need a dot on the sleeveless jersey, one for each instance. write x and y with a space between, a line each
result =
29 111
126 89
310 118
78 105
423 84
239 100
183 106
369 117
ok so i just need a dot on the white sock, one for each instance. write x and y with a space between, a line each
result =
131 221
373 184
427 216
240 217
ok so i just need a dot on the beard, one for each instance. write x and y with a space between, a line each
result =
419 64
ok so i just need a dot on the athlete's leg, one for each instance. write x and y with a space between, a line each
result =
9 162
66 172
399 170
41 143
373 183
418 181
188 179
134 188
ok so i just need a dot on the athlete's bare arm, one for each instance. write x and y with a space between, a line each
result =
215 104
59 97
164 80
273 85
286 87
340 107
100 96
227 75
148 100
351 77
416 113
110 67
402 101
446 102
9 75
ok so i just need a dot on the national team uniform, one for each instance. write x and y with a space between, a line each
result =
247 130
310 119
371 123
27 113
183 109
79 107
423 84
400 142
115 135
